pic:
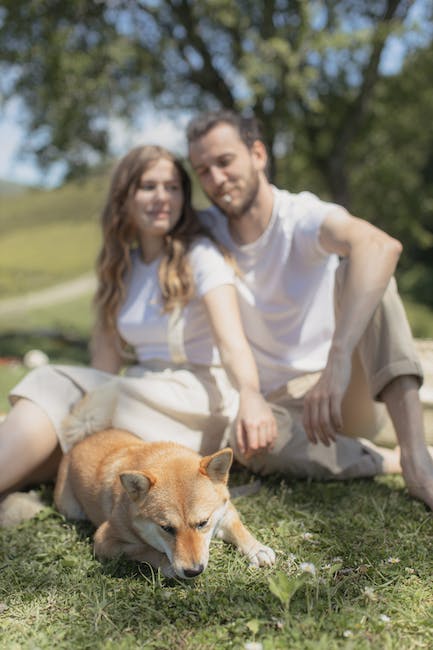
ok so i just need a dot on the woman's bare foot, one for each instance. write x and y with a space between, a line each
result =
391 460
18 507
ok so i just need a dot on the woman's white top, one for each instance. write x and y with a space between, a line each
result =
183 335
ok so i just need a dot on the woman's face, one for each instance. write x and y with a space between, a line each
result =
158 202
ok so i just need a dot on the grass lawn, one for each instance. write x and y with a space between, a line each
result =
354 570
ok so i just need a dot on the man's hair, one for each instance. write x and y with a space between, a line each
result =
248 128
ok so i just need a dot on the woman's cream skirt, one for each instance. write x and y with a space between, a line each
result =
190 404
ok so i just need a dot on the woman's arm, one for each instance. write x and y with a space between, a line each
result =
105 350
256 428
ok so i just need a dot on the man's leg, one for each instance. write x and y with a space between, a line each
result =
401 397
393 374
385 368
294 455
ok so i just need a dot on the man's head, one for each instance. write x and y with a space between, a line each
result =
228 154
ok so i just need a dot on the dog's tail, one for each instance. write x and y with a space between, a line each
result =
91 414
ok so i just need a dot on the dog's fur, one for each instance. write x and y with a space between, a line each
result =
159 503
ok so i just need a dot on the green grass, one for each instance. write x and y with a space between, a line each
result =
27 265
49 237
74 316
369 544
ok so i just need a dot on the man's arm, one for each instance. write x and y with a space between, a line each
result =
372 258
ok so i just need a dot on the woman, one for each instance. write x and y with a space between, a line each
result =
166 291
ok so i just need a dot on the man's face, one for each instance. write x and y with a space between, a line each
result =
228 171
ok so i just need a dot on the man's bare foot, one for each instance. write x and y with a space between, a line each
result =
417 471
418 475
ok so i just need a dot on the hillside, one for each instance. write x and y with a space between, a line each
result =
48 236
7 188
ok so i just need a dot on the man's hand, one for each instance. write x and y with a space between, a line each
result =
322 417
256 429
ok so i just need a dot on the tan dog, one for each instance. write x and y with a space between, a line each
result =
159 503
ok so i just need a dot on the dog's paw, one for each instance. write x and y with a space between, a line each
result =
261 556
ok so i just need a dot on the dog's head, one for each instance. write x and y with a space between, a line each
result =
178 505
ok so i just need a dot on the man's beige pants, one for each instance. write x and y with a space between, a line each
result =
385 352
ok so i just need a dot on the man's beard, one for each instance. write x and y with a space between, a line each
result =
234 212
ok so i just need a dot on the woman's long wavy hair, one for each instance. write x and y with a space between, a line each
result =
119 238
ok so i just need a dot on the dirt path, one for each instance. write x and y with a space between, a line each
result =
52 295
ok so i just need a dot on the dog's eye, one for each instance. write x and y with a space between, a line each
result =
171 530
202 524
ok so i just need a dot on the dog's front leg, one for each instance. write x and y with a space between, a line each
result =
142 553
108 544
232 530
106 541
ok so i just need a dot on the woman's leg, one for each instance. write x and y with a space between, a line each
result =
29 449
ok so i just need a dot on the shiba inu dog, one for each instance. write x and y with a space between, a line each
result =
155 502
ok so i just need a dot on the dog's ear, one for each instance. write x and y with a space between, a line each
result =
217 466
136 484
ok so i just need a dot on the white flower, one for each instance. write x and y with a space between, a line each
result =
370 593
253 645
347 633
384 618
307 536
393 560
308 567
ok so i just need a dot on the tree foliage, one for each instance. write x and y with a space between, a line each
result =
311 71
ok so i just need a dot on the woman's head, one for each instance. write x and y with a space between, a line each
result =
149 197
146 178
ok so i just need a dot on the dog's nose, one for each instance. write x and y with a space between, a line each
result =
193 573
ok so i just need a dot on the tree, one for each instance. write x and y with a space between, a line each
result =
306 68
393 182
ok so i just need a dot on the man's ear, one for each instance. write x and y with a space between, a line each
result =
259 155
136 484
217 466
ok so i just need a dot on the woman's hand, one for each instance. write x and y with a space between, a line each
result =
256 428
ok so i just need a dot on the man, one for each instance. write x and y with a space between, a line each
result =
331 339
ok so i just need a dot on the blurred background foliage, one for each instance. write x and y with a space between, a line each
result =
342 88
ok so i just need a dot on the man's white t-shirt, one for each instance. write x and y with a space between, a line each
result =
286 287
143 323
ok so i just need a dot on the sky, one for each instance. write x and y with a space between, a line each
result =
153 129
